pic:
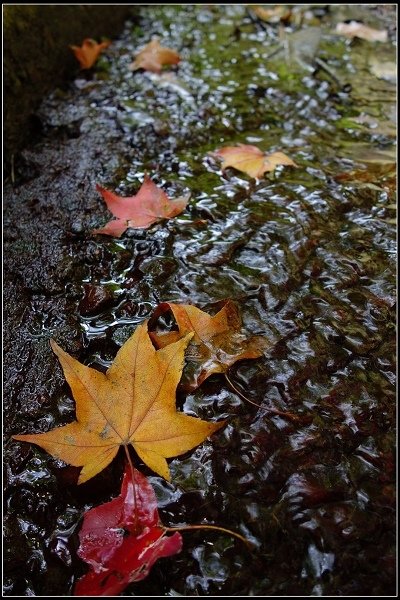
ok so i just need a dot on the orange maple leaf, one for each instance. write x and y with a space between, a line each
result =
251 160
89 52
218 341
154 56
274 15
133 403
151 204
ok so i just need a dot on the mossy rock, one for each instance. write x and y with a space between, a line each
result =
37 56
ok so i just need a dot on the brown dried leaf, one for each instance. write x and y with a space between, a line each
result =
218 341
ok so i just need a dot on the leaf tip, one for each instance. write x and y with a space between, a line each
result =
216 425
54 346
100 189
188 337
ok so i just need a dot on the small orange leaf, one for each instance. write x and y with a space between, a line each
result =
89 52
355 29
251 160
153 57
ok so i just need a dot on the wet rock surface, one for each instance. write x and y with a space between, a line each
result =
37 57
309 255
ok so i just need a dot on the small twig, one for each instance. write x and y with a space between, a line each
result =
322 64
372 100
12 170
239 393
274 52
215 528
274 411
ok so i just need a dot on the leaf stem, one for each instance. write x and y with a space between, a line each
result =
214 527
128 456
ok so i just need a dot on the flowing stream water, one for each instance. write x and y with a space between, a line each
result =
308 253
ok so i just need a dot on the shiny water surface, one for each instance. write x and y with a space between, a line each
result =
309 256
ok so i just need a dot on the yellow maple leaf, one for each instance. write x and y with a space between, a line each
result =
154 56
251 160
133 403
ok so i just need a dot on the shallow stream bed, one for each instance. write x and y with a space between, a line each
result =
308 254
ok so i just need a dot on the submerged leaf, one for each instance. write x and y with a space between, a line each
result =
251 160
380 176
218 341
132 403
301 46
89 52
122 539
154 56
151 204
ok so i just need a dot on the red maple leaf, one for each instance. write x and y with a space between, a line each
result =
122 539
151 204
